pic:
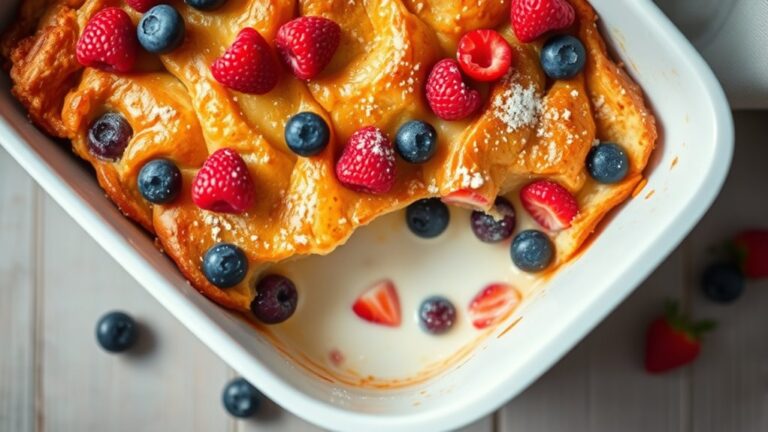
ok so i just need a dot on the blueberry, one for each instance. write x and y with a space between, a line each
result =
563 57
488 228
159 181
116 332
161 29
205 5
276 299
307 134
416 141
109 135
240 398
607 163
532 251
437 315
225 265
722 282
427 218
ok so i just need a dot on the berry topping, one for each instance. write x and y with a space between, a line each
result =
368 162
492 304
108 42
142 5
307 134
240 398
437 315
248 65
751 252
448 96
205 5
484 55
563 57
467 198
497 227
722 282
379 304
307 44
416 141
550 204
532 18
116 332
532 251
109 136
607 163
427 218
159 181
276 299
673 340
225 265
161 30
223 184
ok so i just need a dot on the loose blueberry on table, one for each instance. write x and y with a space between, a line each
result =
276 299
159 181
240 398
494 228
563 57
437 315
161 29
307 134
109 135
225 265
607 163
532 251
116 332
722 282
416 141
427 218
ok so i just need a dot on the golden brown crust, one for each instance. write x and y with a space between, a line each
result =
178 111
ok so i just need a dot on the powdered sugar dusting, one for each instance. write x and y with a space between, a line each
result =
517 107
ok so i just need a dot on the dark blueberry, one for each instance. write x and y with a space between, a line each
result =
307 134
427 218
276 299
205 5
437 315
563 57
225 265
416 141
116 332
494 228
159 181
532 251
109 136
722 282
161 29
240 398
607 163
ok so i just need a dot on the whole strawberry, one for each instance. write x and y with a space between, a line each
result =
248 65
108 42
673 341
307 44
751 252
368 162
448 95
532 18
142 5
223 184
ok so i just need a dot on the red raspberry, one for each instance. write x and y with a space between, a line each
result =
142 5
533 18
223 184
550 204
484 55
248 65
108 42
448 96
307 44
368 162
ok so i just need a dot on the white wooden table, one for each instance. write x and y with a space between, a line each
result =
55 282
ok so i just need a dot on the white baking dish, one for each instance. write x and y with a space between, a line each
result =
687 171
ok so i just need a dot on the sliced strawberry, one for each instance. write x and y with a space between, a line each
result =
449 97
673 341
248 65
484 55
368 162
379 304
492 304
223 184
533 18
550 204
307 44
468 199
108 42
